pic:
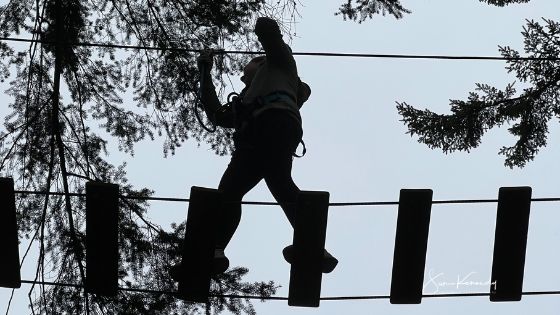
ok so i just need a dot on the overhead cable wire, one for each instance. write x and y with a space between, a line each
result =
325 298
317 54
270 203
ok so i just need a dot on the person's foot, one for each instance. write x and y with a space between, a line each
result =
220 265
329 262
175 272
221 262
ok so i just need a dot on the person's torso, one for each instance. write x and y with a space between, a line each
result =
270 79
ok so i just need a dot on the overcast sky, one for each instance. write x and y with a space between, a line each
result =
358 150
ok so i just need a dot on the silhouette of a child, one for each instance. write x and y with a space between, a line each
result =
268 130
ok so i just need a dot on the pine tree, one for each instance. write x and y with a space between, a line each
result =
366 9
361 10
528 112
50 142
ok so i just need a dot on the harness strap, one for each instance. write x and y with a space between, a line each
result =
245 112
276 96
282 96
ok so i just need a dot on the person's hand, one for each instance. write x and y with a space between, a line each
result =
266 25
205 60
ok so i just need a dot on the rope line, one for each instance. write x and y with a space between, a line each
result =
270 203
316 54
282 298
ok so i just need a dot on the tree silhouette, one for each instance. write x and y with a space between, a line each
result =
361 10
66 100
366 9
488 107
528 112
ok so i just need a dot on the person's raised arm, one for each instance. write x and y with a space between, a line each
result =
208 95
268 33
219 115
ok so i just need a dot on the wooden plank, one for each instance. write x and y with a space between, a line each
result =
510 243
310 228
102 248
199 244
10 276
411 242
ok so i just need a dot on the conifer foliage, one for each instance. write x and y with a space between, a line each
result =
502 3
527 113
361 10
68 101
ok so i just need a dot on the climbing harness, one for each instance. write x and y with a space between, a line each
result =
303 152
243 114
281 96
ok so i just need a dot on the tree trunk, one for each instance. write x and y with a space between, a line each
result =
57 133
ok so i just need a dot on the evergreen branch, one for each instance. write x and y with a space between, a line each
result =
79 176
82 121
76 160
41 258
81 145
134 208
463 128
59 51
528 94
17 138
366 9
501 3
73 165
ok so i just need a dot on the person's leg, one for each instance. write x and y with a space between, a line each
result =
242 174
278 178
279 136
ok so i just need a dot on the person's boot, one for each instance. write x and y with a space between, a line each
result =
329 262
220 265
175 272
221 262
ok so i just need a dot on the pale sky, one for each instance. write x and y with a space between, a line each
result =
358 151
